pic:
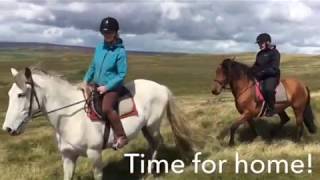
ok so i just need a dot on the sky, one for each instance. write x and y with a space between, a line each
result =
192 26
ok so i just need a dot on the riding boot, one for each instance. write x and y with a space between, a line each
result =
270 101
119 133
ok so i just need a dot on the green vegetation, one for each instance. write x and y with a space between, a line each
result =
34 155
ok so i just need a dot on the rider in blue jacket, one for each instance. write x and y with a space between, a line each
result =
108 70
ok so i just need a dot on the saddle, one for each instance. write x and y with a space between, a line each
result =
126 106
280 96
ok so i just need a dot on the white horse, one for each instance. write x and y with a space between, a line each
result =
34 91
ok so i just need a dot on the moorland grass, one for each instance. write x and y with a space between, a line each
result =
34 154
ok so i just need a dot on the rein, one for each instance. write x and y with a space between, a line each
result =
39 113
245 90
35 115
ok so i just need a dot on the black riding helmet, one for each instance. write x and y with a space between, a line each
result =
109 24
263 37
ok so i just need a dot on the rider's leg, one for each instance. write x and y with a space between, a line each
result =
269 86
109 103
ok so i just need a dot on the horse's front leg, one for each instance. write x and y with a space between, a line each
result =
95 156
69 162
252 127
243 118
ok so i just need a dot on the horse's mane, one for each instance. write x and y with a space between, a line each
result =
40 71
20 77
51 74
236 70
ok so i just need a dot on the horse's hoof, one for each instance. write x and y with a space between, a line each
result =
274 133
272 136
297 140
219 137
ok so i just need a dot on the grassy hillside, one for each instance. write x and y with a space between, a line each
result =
34 155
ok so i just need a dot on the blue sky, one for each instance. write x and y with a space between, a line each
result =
198 26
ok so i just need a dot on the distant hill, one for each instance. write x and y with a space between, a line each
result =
41 46
57 47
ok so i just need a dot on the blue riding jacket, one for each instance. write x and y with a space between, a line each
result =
109 66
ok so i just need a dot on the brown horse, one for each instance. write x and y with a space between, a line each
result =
242 84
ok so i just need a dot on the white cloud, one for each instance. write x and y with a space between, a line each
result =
77 7
32 11
219 19
130 35
75 41
45 34
53 32
299 11
184 26
171 10
198 18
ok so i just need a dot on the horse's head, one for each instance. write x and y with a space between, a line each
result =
222 76
24 101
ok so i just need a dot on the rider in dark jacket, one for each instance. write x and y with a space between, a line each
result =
266 70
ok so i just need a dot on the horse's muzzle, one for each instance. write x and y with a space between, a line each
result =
216 91
11 131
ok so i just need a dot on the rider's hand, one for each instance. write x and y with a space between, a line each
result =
87 89
102 89
82 86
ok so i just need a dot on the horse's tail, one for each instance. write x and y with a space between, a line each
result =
308 116
180 129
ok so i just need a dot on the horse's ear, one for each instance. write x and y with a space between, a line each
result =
27 73
14 72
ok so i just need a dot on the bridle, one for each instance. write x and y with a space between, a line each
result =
224 83
39 111
221 83
32 96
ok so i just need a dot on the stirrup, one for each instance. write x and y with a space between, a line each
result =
270 112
